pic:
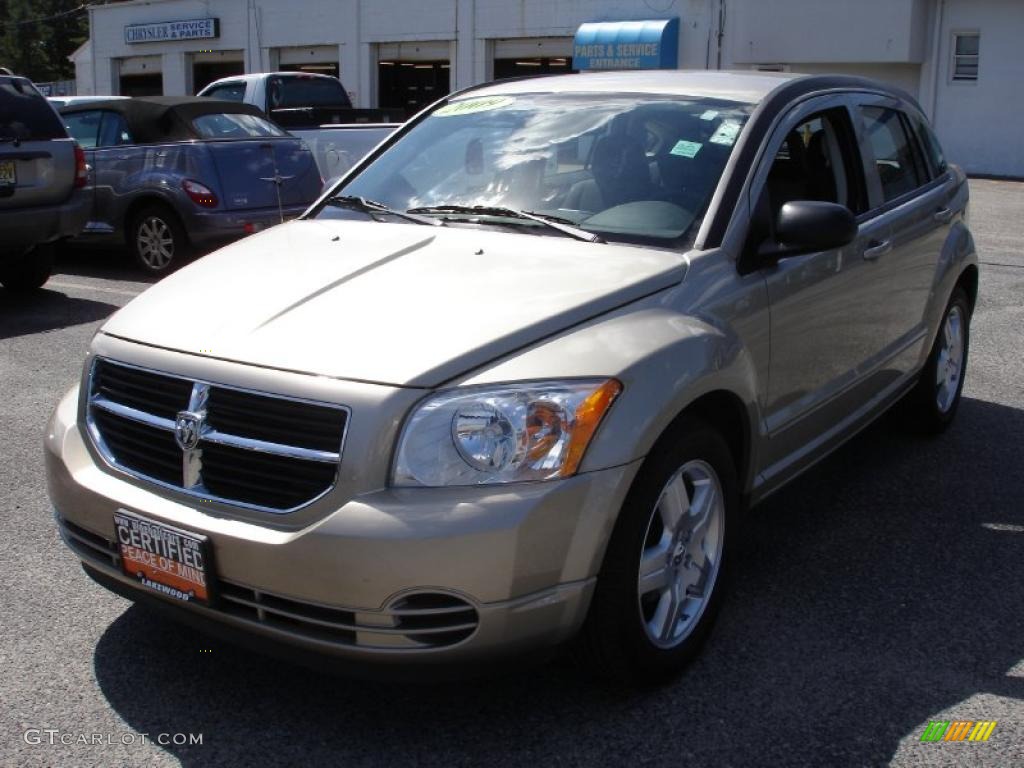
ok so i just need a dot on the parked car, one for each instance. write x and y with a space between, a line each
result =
42 173
297 99
513 381
173 173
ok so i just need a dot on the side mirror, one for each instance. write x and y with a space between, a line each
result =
806 226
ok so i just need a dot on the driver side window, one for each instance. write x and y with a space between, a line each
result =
817 162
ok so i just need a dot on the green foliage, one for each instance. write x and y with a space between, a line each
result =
39 50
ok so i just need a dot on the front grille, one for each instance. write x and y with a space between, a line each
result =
255 450
418 621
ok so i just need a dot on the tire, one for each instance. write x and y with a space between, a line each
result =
29 272
156 239
931 405
628 637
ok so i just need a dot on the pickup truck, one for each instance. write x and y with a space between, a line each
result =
297 99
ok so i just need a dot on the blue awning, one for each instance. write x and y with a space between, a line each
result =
627 45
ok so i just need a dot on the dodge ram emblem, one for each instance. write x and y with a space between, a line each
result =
187 428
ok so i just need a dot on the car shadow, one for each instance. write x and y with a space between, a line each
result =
109 263
878 590
46 310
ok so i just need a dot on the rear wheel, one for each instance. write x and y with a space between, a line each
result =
156 239
932 404
29 272
662 580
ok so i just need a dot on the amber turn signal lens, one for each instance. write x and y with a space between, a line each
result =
588 417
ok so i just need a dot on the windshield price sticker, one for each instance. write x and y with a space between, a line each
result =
726 133
469 106
685 148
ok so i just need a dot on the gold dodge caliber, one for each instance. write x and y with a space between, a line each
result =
511 382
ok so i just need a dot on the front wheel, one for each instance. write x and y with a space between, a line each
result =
156 239
663 577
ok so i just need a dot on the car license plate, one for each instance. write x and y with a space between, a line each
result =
164 559
8 173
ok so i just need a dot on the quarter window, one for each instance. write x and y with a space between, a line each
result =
893 154
966 50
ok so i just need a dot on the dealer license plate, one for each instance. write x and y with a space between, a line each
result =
164 559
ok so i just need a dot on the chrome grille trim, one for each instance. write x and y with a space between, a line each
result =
213 435
192 484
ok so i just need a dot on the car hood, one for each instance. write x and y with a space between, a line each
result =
389 303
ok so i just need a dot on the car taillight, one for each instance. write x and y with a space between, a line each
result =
200 194
81 169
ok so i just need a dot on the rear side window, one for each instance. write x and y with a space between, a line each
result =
299 91
894 158
84 127
25 115
114 130
227 92
232 126
930 146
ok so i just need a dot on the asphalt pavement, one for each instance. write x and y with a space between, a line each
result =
879 592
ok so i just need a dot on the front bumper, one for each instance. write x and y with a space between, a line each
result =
521 560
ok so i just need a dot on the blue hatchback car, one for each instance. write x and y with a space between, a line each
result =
169 174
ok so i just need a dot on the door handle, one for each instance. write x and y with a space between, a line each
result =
943 215
876 249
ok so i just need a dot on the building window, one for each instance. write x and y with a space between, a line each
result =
965 56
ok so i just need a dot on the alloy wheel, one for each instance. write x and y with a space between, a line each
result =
949 367
155 242
681 554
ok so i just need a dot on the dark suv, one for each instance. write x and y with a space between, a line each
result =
42 176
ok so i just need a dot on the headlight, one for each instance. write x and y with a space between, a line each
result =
502 434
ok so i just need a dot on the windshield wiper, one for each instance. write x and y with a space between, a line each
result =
552 222
372 206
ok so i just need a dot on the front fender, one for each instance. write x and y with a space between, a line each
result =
666 360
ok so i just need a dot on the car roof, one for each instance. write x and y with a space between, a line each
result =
749 87
260 75
163 118
744 86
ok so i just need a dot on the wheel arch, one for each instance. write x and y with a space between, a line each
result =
725 412
968 280
141 203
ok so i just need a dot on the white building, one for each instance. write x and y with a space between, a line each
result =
961 58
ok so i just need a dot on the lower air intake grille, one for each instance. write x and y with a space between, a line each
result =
418 621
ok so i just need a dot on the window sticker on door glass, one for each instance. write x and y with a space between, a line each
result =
685 148
726 133
710 114
469 106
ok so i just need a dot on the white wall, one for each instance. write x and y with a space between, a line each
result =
826 31
904 42
980 123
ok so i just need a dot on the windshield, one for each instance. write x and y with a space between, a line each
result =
235 126
637 168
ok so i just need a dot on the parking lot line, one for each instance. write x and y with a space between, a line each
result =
84 287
